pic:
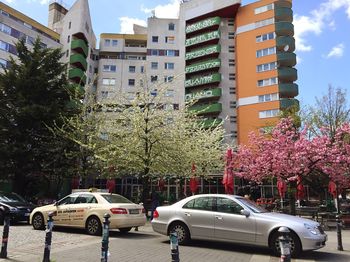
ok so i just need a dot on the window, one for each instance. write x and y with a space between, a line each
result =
170 53
170 39
266 67
231 22
68 40
4 28
269 113
232 76
30 40
268 97
114 42
27 25
67 53
231 62
155 52
107 42
169 66
4 46
155 39
70 25
265 37
154 78
231 49
154 65
168 79
231 35
201 203
171 26
132 69
109 68
266 51
233 119
264 22
3 63
263 8
108 81
267 82
232 90
170 93
4 13
131 82
142 69
226 205
233 104
104 94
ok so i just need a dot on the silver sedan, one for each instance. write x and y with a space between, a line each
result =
235 219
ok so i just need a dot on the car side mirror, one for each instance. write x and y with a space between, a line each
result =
245 212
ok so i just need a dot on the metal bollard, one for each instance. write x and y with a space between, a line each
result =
48 237
174 247
5 234
284 241
339 237
105 237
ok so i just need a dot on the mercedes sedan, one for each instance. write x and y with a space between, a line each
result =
235 219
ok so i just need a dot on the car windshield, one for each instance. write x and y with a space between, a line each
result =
113 199
11 197
252 205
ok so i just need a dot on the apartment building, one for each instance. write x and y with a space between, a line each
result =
239 62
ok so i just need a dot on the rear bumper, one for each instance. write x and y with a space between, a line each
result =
127 222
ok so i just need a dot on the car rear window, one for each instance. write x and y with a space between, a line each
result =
113 199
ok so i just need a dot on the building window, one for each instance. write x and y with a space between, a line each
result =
265 37
169 66
70 25
171 26
170 53
233 104
131 82
232 90
67 53
233 119
154 52
170 39
155 39
266 51
109 68
142 69
265 22
266 67
108 81
114 42
5 29
132 69
4 46
104 94
107 42
231 22
68 40
30 40
170 93
3 63
231 49
154 78
154 65
231 35
267 82
269 113
264 8
268 97
168 79
232 76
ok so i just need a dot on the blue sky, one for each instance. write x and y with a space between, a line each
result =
321 31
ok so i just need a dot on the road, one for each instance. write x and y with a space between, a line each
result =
26 244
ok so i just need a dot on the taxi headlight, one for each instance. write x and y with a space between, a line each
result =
312 229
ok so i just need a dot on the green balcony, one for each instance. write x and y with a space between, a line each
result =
283 14
287 74
80 46
286 59
79 61
284 29
207 123
202 66
77 75
288 90
215 108
285 43
203 80
215 35
289 102
207 23
202 52
283 3
204 94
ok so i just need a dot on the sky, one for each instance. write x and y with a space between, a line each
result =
322 33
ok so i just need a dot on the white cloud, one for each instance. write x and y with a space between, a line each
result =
126 24
170 10
337 51
10 1
317 21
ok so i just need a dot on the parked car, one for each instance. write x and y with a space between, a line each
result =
86 210
235 219
19 209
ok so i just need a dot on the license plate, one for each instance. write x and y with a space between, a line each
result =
133 211
26 214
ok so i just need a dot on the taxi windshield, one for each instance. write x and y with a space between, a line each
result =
113 199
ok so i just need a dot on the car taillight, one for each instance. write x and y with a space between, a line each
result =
118 210
155 214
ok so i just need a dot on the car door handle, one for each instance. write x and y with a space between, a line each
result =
218 217
187 214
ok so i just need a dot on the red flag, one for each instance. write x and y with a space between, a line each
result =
228 180
300 189
282 188
332 189
110 185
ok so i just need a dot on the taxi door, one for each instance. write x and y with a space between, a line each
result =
63 208
81 208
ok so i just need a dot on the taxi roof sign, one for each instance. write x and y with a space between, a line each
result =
90 190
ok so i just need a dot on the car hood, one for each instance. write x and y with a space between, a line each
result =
18 204
279 217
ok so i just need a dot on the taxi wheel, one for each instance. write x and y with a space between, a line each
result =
124 229
38 221
295 245
93 226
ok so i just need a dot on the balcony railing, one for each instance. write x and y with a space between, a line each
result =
283 14
77 75
207 23
288 90
289 102
80 46
202 52
283 3
285 43
287 74
284 29
203 80
207 123
79 61
204 94
205 65
202 38
286 59
207 109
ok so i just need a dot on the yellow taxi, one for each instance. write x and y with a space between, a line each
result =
85 209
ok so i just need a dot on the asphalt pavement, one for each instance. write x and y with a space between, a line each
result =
26 244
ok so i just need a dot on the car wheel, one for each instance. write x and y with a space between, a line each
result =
183 234
124 229
93 226
295 245
38 221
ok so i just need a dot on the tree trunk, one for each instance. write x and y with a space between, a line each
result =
292 190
